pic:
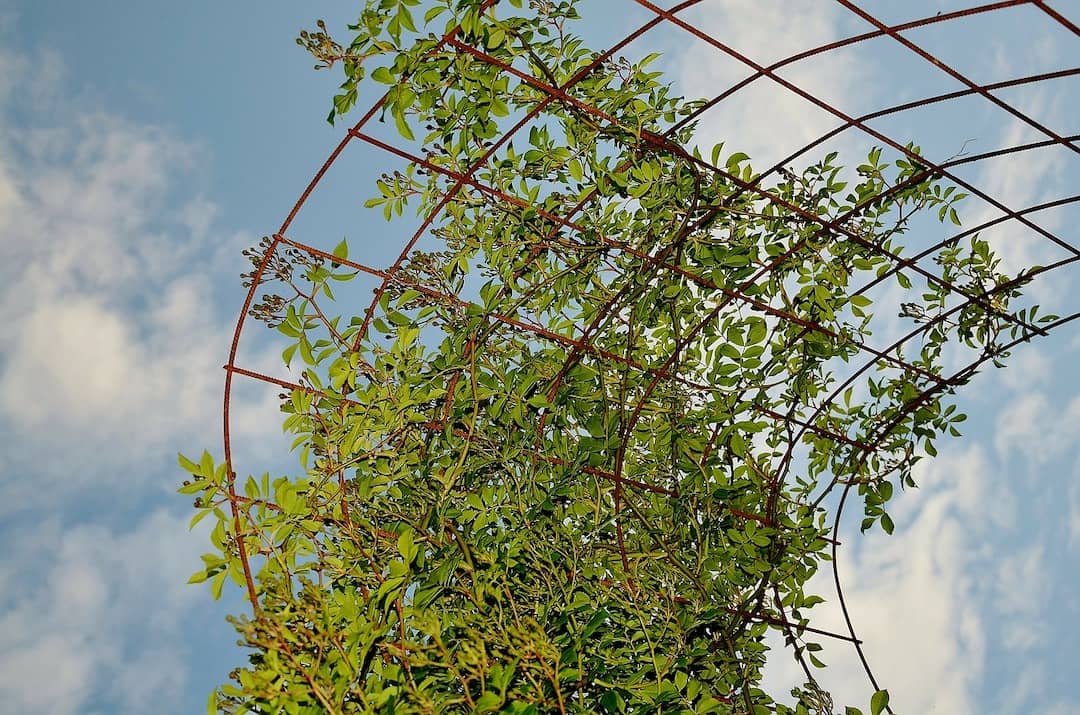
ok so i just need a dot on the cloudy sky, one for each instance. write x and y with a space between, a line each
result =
144 145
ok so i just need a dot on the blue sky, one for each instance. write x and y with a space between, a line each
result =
144 145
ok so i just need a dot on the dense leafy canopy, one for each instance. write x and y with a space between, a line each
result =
576 459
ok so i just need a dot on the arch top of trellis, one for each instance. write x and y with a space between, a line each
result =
984 85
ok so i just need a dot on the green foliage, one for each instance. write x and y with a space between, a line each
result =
604 514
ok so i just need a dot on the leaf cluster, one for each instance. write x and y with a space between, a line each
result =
555 467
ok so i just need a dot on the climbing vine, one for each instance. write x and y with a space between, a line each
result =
577 460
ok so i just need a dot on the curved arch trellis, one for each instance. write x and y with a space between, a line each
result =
929 383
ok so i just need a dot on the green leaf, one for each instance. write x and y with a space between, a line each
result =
188 466
342 250
206 465
403 126
595 622
734 160
193 488
405 545
879 702
306 353
218 583
199 577
288 353
577 173
488 702
383 75
199 516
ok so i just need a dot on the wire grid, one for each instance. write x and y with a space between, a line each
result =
676 18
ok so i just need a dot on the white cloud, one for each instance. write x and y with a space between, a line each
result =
1036 177
91 606
1072 523
909 597
964 575
112 271
1027 369
1031 425
919 578
1022 585
764 119
934 601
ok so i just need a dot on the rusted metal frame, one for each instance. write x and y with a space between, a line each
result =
578 76
956 75
704 282
838 44
952 239
971 231
952 382
1057 16
1042 5
960 375
612 242
948 164
667 145
552 336
850 121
